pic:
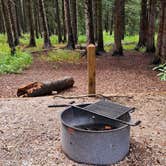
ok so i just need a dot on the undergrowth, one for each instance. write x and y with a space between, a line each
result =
12 64
63 56
162 71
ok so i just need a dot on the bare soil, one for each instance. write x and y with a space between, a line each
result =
131 73
30 131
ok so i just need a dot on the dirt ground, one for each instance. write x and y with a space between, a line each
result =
129 74
30 131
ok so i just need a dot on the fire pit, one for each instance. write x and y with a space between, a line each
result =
94 139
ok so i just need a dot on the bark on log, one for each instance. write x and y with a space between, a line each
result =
41 89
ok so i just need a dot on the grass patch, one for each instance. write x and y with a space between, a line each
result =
12 64
63 56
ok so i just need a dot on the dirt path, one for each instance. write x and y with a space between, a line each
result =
130 73
30 132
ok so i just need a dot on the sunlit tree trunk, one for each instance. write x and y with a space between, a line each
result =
70 43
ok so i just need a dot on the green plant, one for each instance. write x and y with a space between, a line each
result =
62 56
162 71
14 64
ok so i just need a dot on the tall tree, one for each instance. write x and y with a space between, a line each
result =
143 25
150 44
18 12
100 44
8 25
118 49
36 18
47 42
25 19
58 21
2 26
89 22
13 18
70 42
123 19
94 6
73 4
64 22
161 41
32 42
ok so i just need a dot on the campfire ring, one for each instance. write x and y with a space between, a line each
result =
92 146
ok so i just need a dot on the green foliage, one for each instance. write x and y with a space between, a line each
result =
12 64
132 16
162 71
62 56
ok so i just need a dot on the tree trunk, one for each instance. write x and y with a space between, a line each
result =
40 89
100 45
2 26
64 22
36 18
106 20
25 24
32 42
47 42
143 25
111 20
18 9
118 50
12 12
73 4
89 22
94 6
70 43
160 56
123 19
58 21
8 26
150 45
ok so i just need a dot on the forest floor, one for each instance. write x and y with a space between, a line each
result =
115 75
30 131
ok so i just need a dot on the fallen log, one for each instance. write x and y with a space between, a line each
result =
41 89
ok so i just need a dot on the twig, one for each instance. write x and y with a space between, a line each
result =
90 95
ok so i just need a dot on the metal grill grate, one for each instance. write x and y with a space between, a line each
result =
108 109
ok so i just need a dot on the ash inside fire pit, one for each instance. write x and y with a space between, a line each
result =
96 127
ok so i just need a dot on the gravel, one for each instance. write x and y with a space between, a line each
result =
30 131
